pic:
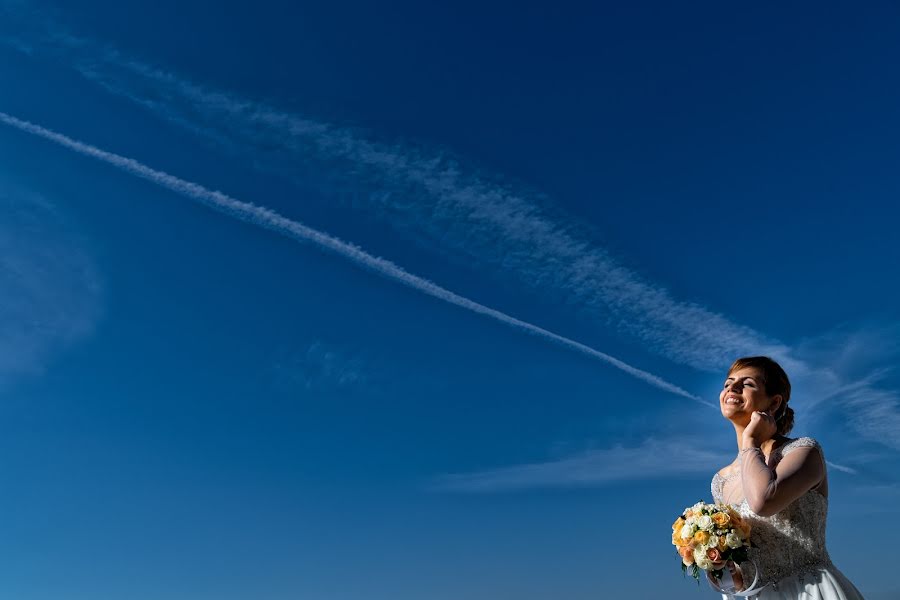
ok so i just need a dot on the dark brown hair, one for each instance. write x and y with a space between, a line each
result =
776 382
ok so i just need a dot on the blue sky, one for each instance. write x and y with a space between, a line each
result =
429 301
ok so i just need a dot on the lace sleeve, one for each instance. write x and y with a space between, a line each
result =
800 469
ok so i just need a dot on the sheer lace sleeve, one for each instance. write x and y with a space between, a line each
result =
769 490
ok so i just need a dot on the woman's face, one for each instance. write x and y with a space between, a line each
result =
743 393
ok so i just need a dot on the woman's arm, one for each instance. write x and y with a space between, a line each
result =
767 491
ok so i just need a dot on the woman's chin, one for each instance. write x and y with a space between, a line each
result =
733 413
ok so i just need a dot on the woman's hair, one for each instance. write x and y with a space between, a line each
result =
776 382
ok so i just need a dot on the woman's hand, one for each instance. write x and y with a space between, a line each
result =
762 427
736 576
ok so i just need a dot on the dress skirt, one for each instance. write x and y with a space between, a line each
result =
825 583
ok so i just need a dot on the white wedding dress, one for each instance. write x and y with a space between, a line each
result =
791 555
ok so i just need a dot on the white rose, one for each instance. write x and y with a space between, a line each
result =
702 561
705 523
733 541
686 532
713 541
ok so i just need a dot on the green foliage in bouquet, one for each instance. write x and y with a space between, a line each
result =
708 536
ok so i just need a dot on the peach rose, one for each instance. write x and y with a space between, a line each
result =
701 537
687 555
722 543
721 519
718 561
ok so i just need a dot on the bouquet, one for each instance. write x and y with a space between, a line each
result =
707 536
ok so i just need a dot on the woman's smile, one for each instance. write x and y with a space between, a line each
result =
743 393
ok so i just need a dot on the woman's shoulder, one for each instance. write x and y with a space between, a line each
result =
800 442
727 472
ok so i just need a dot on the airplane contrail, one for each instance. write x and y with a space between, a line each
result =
273 221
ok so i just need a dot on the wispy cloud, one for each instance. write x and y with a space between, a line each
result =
851 383
437 199
875 413
271 220
653 459
51 291
842 468
322 365
455 209
449 206
440 201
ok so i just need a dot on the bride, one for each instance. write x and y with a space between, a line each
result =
780 486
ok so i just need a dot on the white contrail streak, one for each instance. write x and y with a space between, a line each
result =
269 219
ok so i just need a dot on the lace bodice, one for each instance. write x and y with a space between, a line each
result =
791 541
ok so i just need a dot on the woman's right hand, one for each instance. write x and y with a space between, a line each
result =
762 427
737 576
